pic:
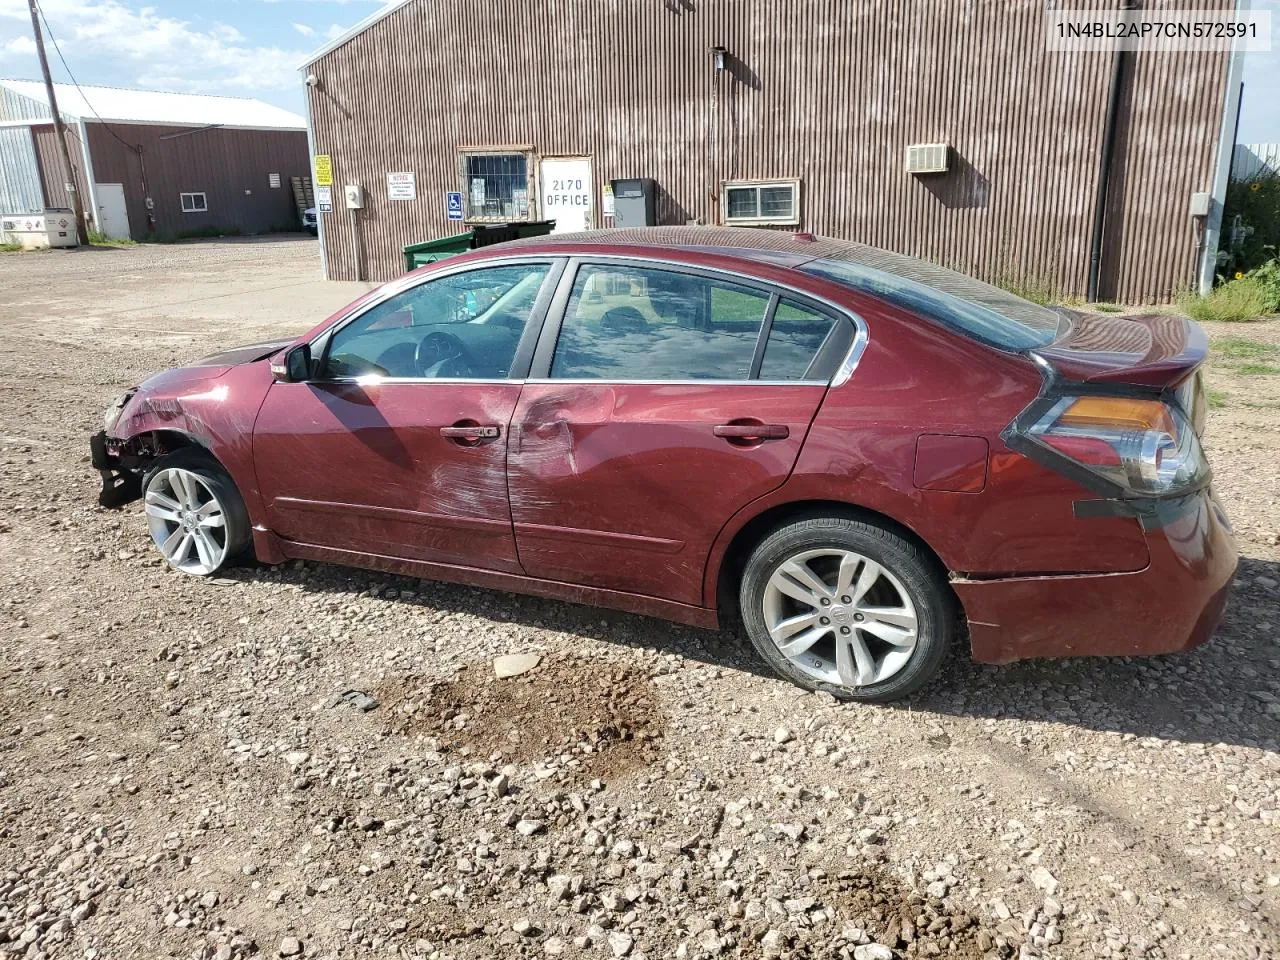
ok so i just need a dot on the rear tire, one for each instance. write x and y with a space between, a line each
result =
847 607
194 512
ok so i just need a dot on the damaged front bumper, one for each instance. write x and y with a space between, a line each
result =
120 470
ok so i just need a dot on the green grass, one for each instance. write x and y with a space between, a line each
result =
11 246
1035 289
1257 369
98 239
1237 301
1242 348
1108 307
1217 399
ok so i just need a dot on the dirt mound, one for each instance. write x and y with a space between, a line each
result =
567 711
912 923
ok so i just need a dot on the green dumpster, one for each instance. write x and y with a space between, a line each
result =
430 251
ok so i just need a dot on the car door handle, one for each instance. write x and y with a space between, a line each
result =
470 434
752 432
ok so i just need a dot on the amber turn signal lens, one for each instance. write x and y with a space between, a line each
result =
1119 413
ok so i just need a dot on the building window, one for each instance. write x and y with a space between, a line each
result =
495 185
194 203
774 201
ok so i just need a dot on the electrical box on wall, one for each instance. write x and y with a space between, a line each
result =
1199 204
354 195
927 158
635 202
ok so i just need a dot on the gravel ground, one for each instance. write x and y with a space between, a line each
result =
180 775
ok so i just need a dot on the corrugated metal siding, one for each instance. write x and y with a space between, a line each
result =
53 171
222 164
20 189
1253 160
14 106
830 91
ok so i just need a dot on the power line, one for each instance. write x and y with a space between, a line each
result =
76 83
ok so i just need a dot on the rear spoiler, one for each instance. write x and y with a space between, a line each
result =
1154 350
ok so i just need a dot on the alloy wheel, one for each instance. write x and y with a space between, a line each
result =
840 617
187 521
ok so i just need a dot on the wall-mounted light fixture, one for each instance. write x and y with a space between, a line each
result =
720 53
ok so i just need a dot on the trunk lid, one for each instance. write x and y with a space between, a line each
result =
1150 350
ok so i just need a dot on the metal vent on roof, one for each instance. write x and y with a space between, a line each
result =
927 158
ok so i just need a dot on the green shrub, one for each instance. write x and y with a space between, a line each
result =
1268 275
1250 224
11 246
1236 301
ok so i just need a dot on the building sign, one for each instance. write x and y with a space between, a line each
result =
324 199
567 192
607 207
273 181
401 186
324 170
453 205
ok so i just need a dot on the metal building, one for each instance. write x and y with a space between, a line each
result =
152 164
797 114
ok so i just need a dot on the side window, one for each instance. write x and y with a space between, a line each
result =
796 336
628 323
463 326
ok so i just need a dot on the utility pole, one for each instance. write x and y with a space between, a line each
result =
61 128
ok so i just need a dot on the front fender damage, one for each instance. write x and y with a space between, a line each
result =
120 463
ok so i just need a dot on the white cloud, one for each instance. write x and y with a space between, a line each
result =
303 29
19 46
112 41
335 31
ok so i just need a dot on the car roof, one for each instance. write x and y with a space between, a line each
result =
767 246
788 249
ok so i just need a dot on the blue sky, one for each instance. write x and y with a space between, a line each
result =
252 48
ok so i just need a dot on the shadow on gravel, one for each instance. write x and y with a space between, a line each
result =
1213 694
716 648
1216 693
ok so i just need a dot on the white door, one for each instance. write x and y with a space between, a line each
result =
113 216
567 193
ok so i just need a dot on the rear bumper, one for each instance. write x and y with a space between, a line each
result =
1174 604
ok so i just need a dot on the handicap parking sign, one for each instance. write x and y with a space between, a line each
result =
453 204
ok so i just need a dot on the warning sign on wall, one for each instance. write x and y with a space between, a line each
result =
324 170
401 186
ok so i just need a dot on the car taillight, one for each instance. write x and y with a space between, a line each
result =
1146 447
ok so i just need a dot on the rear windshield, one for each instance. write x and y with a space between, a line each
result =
962 303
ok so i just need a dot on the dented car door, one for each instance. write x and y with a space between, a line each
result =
648 422
397 445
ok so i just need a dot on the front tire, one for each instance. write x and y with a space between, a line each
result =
194 512
847 607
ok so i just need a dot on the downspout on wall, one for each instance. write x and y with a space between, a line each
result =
311 151
1105 162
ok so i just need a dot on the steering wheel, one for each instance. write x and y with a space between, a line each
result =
442 355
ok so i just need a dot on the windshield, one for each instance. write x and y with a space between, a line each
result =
962 303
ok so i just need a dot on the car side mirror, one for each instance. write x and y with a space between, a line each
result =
296 367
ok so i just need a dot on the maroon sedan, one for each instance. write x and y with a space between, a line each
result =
859 456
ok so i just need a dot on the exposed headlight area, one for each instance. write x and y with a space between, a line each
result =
112 413
1143 447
